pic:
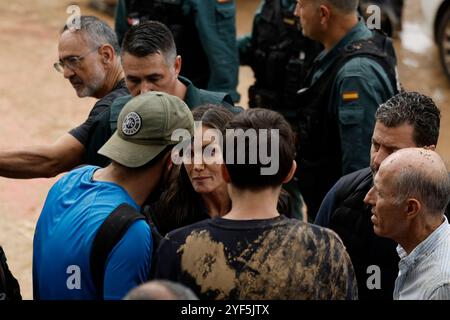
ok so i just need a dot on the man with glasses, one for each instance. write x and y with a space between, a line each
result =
89 59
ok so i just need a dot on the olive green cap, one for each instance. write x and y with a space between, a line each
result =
144 128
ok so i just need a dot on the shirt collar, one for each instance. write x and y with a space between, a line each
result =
426 247
191 97
120 84
185 81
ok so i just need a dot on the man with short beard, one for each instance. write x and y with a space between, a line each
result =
408 120
89 59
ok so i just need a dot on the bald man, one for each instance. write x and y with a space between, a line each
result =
410 193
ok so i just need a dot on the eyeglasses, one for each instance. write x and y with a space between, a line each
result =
72 62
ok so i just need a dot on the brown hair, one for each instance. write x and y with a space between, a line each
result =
248 175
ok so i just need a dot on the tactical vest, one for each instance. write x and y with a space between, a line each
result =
280 55
182 26
316 121
351 220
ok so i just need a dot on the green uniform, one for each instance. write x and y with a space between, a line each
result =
336 113
106 123
273 51
215 21
244 41
361 85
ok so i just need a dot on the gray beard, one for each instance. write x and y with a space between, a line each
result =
91 88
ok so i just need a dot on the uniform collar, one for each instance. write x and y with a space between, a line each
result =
358 32
325 59
191 98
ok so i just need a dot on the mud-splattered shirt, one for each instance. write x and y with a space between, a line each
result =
278 258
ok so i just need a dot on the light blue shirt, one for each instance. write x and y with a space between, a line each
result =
424 274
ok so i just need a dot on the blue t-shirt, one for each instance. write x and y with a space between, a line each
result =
75 208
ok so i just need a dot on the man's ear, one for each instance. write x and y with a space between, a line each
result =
107 54
413 208
325 14
225 174
177 66
291 173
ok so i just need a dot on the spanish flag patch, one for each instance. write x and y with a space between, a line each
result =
350 96
288 21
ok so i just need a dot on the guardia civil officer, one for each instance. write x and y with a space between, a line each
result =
204 32
278 54
354 74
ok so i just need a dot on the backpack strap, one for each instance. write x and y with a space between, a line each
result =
109 234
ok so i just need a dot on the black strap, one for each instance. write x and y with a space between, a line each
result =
109 234
9 286
2 272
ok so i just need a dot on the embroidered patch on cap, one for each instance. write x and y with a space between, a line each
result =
132 124
350 96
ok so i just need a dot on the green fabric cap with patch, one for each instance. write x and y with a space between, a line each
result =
144 128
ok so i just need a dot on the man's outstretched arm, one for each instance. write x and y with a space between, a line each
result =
42 161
